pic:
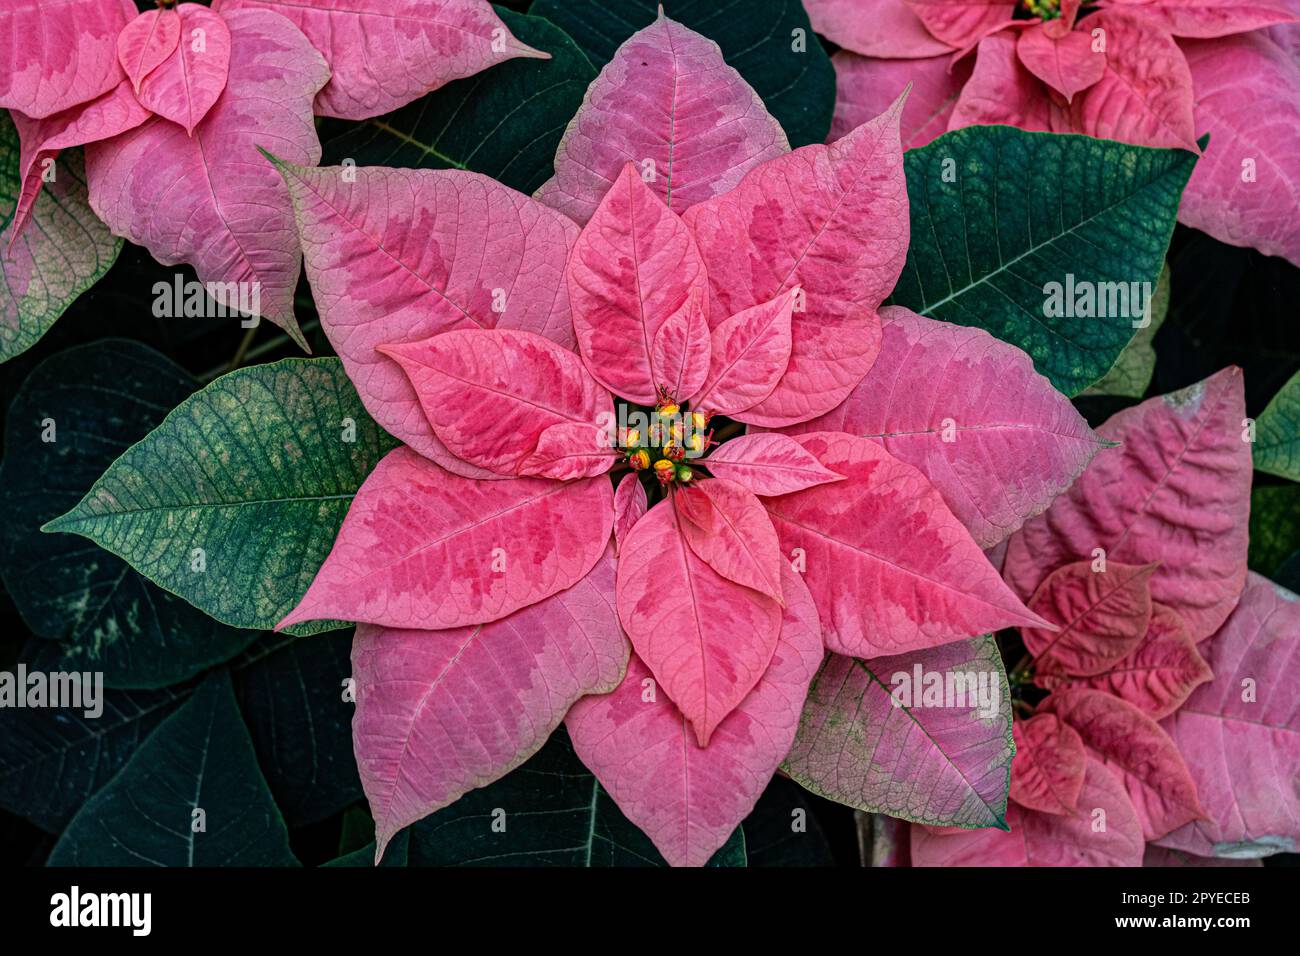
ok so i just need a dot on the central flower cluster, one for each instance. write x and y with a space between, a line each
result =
1046 9
664 438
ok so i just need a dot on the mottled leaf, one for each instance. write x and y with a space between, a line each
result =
889 566
944 762
259 467
1176 491
1240 734
63 252
972 414
383 55
397 255
668 103
758 38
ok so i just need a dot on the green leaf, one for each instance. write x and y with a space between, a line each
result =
554 813
290 691
782 829
943 764
1130 376
1274 526
1277 433
199 759
505 122
62 252
52 761
234 501
759 38
74 415
998 214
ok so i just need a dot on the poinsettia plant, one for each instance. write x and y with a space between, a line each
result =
1150 72
173 103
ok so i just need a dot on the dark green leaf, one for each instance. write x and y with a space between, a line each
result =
1274 526
52 761
196 772
292 700
998 214
504 122
76 413
554 813
783 831
62 252
760 38
1277 436
235 499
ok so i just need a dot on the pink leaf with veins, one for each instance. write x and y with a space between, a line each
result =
748 354
688 799
1017 441
1156 677
877 28
729 531
210 199
1204 18
385 53
667 101
960 23
146 42
58 53
864 87
186 85
769 464
442 712
862 743
1177 491
630 503
638 292
1248 100
1068 64
1048 769
399 255
1042 839
490 394
1241 740
889 566
569 450
707 640
1134 746
421 547
1144 95
1101 617
115 112
1002 92
832 219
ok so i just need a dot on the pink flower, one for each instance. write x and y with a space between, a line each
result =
1147 72
576 468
